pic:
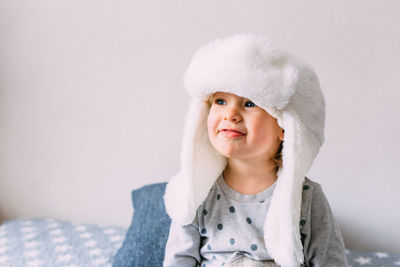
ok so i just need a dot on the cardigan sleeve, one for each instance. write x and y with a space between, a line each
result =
183 245
324 245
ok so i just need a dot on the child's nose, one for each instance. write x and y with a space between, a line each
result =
232 115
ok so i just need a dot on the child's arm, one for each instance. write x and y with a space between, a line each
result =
323 244
183 246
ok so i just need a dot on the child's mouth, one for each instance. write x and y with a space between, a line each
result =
231 133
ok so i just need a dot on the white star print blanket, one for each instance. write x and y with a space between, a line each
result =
372 259
49 242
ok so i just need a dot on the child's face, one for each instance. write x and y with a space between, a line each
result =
260 134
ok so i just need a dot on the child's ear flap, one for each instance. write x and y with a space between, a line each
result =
200 166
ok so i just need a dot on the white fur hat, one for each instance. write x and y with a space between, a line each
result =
288 89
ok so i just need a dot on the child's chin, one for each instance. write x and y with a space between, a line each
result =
229 154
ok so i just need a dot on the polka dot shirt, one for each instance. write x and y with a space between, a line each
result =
231 224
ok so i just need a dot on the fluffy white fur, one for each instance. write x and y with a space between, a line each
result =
287 88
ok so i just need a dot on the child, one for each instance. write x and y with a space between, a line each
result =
241 198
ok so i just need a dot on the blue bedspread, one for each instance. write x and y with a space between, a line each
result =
48 242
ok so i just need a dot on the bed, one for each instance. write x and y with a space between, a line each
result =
51 242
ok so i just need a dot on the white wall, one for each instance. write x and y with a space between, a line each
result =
92 102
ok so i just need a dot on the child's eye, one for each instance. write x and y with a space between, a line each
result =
249 104
219 101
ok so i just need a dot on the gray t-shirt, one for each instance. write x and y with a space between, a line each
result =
229 225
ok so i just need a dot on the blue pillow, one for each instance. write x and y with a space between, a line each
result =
145 240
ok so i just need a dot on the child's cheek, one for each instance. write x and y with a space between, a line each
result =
211 126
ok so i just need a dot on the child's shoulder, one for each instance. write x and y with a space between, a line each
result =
312 192
311 186
314 204
310 181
